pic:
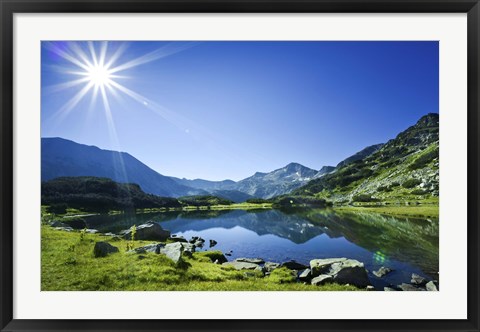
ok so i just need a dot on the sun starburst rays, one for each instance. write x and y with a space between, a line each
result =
98 67
95 69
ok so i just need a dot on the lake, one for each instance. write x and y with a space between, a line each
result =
407 245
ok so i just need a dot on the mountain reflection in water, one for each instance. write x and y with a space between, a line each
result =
408 245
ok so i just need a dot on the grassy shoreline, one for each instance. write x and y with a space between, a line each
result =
420 211
68 264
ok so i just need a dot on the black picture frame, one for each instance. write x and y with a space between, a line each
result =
9 7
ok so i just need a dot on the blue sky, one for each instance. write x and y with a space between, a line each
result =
218 110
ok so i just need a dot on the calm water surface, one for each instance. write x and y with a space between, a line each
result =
407 245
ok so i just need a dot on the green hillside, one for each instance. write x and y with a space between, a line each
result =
405 169
99 195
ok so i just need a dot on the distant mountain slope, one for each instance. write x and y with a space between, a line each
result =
205 184
233 195
278 182
61 157
360 155
405 168
324 170
260 185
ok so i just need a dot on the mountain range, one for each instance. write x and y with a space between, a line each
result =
404 166
65 158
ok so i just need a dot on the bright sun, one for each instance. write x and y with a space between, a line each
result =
98 69
99 75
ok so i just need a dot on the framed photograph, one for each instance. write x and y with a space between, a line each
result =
234 165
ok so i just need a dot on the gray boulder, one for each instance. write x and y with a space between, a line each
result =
154 247
382 271
321 279
241 265
351 272
91 231
102 249
148 231
319 266
431 287
270 266
342 270
199 244
418 280
409 288
293 265
173 251
66 229
389 289
175 238
250 260
75 223
57 223
305 275
196 239
188 248
260 269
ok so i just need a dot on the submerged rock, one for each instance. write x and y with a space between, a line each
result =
102 249
213 243
382 271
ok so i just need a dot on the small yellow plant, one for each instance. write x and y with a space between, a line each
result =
83 232
132 237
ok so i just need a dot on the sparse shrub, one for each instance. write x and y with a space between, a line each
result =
384 189
82 234
419 192
257 201
410 183
71 261
424 159
364 198
58 208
